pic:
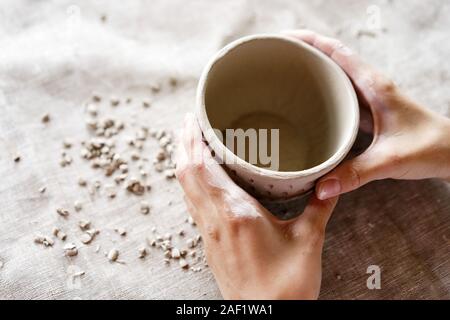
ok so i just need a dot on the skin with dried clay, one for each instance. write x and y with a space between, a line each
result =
255 256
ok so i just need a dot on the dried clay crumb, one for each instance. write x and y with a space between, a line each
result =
169 173
135 187
82 182
86 238
44 240
70 250
78 206
67 144
135 156
62 212
45 118
145 207
59 234
191 221
79 274
114 101
113 254
84 224
176 253
121 231
183 264
173 81
66 160
89 236
92 110
96 98
142 252
151 242
146 104
156 87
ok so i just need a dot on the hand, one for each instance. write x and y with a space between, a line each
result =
251 254
410 142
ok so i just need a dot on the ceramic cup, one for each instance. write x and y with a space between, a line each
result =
275 82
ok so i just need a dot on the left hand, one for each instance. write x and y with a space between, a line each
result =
252 254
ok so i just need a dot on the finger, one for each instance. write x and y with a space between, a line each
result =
216 186
368 81
223 191
192 140
336 50
186 178
316 215
349 176
208 172
193 211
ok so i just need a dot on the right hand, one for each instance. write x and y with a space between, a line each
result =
410 142
252 254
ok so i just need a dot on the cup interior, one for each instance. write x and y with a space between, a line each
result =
276 83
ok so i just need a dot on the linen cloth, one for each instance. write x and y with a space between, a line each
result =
55 54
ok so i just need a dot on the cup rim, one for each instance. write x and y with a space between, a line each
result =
205 124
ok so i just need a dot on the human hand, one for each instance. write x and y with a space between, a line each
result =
251 254
410 142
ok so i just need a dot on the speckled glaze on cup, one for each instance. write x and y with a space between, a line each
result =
287 78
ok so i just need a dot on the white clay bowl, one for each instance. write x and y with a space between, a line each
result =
283 79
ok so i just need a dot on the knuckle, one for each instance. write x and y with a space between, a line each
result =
388 163
337 48
216 192
395 160
337 44
181 172
392 162
316 234
235 223
213 233
354 176
385 86
329 204
198 168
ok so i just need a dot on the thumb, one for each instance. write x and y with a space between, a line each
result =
348 176
315 217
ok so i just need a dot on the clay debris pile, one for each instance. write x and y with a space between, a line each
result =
117 149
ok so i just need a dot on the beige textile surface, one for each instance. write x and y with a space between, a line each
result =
54 54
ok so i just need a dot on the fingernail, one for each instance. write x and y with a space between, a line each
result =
328 189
